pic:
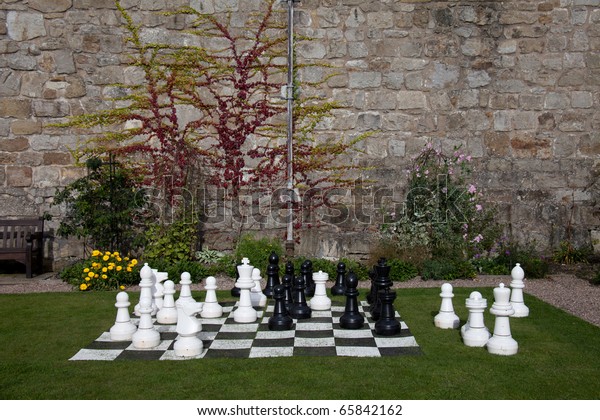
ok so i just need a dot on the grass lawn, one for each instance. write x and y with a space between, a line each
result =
558 359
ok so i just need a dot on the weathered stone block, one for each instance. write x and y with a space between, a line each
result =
17 144
503 120
22 26
16 108
43 142
361 80
411 100
556 100
50 108
19 176
527 146
24 127
50 6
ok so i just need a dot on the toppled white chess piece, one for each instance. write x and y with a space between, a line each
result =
187 343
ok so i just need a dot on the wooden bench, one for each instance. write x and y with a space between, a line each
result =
22 240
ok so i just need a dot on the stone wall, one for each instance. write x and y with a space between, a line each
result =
517 83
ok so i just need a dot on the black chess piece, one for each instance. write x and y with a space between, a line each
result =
272 275
289 269
306 270
235 291
338 288
300 309
382 281
372 293
286 282
281 319
387 324
352 319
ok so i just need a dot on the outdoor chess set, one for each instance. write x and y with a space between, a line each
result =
279 321
284 324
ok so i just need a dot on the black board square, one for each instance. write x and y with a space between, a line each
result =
314 351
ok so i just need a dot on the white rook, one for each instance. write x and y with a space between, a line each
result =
320 301
474 333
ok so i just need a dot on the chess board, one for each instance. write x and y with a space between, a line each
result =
319 335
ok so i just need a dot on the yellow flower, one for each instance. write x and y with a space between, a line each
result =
134 261
85 270
107 253
105 258
104 269
95 253
88 279
126 258
83 286
129 269
104 276
119 259
110 267
91 274
96 276
119 268
122 287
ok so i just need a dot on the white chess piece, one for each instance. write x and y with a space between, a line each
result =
320 301
446 318
146 335
187 343
147 277
168 313
185 294
245 313
123 328
257 296
501 341
474 333
516 295
159 288
211 308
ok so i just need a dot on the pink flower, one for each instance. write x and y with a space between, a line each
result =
472 189
477 239
478 207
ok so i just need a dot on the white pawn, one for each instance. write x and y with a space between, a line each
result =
446 318
474 333
245 313
211 308
159 288
320 301
185 294
123 328
257 296
516 295
146 335
168 313
501 341
187 343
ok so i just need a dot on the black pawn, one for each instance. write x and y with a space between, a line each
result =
286 282
272 275
338 288
352 319
281 319
300 309
289 268
306 271
382 282
387 323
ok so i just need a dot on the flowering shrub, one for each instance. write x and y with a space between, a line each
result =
444 213
107 271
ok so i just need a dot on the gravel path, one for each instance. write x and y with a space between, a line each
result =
566 291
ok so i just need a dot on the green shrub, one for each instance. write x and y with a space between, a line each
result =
257 251
171 242
197 270
402 270
567 253
446 269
